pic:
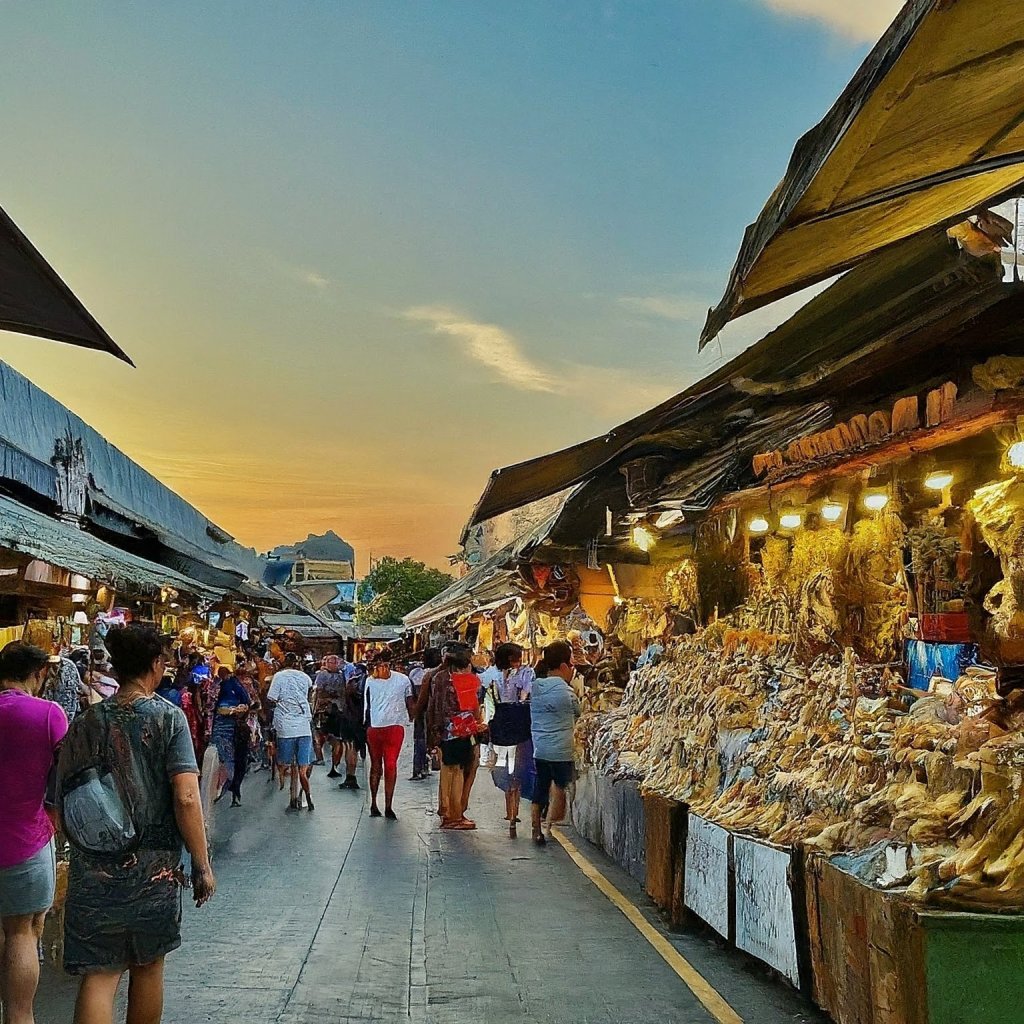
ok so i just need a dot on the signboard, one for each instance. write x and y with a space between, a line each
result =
706 879
765 925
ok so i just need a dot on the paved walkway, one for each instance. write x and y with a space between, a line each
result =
333 916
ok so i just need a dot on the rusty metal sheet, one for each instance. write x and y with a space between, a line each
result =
706 881
765 919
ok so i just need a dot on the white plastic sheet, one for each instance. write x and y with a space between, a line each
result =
765 925
706 882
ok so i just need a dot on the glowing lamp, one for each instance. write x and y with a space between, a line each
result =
938 481
791 521
876 501
831 512
1015 455
759 525
642 538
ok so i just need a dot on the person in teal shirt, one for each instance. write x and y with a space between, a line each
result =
554 710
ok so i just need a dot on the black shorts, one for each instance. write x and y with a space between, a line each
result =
561 773
458 753
118 917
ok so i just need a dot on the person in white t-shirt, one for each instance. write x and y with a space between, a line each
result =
289 694
388 702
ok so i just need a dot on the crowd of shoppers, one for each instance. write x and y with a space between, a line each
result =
110 753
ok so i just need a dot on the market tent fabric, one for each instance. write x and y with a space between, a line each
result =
34 300
922 283
39 536
930 129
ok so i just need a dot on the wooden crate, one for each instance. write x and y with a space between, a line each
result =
665 841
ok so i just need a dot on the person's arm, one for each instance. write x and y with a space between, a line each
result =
188 813
410 701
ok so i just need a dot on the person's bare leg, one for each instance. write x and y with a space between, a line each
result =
556 808
376 771
390 779
146 993
294 770
304 782
468 778
451 793
351 758
19 966
337 749
536 810
95 1002
513 801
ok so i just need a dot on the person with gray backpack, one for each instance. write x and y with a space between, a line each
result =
128 793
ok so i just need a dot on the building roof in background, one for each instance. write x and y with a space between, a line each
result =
35 300
930 128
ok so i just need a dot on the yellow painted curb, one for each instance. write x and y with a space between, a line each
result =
719 1009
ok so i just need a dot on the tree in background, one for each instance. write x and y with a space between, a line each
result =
394 588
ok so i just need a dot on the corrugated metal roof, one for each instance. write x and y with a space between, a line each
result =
25 530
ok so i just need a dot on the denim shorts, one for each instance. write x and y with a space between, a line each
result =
295 749
28 887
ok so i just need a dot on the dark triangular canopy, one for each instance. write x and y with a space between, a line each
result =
34 300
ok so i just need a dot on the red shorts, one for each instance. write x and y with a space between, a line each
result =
385 745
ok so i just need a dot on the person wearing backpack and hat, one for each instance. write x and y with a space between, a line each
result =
30 733
128 793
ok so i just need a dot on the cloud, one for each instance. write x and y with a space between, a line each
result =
614 391
681 308
487 344
857 20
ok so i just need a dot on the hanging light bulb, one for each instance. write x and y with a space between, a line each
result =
831 512
791 521
938 481
1015 455
643 538
876 501
759 525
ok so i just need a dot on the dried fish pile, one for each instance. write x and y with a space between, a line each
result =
797 754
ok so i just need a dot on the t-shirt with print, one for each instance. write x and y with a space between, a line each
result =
289 689
30 730
385 699
332 686
152 743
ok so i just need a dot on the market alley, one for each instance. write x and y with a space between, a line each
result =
334 916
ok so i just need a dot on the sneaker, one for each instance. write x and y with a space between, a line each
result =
390 815
540 840
333 774
350 783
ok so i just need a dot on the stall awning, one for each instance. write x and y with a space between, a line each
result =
930 128
34 300
493 582
923 282
32 533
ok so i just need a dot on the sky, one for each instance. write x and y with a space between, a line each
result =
363 253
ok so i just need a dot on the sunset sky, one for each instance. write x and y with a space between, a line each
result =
364 252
